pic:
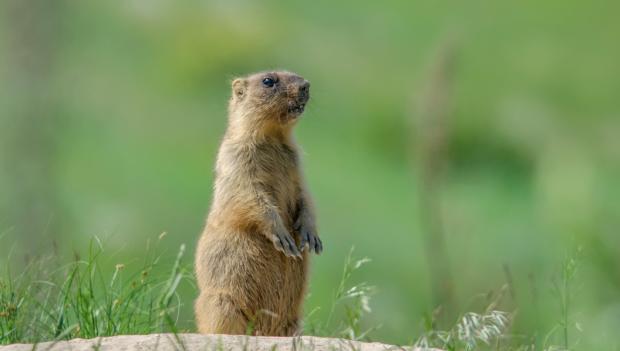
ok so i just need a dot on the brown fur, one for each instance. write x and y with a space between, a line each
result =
252 257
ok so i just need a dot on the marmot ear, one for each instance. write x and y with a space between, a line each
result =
239 87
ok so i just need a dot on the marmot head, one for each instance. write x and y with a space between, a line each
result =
269 98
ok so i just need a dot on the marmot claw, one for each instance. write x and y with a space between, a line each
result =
310 240
283 241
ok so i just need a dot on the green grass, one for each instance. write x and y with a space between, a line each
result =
89 298
351 301
86 298
119 135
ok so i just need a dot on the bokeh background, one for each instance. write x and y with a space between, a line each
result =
473 141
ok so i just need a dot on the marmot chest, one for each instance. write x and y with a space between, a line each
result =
278 171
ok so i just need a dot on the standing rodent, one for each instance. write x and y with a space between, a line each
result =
252 257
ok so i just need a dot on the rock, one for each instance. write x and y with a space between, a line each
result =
191 342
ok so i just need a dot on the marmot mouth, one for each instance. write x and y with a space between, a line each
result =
297 109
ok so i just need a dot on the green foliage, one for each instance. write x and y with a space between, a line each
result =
112 111
472 332
82 300
352 300
563 289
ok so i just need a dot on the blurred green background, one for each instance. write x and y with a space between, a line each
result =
112 112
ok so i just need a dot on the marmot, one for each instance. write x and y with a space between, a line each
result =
252 257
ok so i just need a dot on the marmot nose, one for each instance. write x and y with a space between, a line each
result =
304 90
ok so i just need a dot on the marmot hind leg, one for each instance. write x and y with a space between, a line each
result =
292 328
218 314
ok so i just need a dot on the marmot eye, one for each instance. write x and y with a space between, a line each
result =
268 82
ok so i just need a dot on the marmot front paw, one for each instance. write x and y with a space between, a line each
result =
283 241
309 238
